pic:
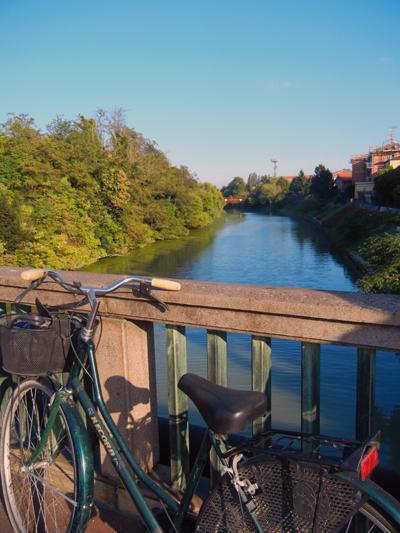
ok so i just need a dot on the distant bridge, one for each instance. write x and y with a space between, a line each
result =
235 200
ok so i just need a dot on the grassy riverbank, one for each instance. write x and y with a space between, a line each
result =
371 236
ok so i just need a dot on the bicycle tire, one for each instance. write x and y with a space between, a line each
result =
378 520
223 512
6 390
54 494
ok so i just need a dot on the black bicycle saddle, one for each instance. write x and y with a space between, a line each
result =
224 410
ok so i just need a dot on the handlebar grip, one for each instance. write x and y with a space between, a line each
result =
166 284
33 274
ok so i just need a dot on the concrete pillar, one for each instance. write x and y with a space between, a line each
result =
126 363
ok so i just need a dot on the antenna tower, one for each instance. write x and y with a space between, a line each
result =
275 162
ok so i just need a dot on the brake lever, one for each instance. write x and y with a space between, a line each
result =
145 290
34 285
42 309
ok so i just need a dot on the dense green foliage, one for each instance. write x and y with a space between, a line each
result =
269 192
259 191
387 187
322 183
373 235
382 254
236 187
300 186
88 188
265 191
348 226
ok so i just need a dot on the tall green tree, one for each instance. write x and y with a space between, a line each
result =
273 191
236 187
300 185
252 181
387 187
322 182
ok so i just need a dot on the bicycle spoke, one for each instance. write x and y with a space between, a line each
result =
54 489
40 496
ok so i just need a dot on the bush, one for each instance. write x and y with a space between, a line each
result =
382 254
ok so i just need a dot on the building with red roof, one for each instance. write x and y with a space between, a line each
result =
343 179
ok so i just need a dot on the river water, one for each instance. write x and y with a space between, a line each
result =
251 247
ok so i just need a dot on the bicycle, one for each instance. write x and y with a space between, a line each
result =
277 481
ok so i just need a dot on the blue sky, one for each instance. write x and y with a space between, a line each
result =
221 86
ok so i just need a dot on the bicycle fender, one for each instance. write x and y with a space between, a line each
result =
85 469
375 493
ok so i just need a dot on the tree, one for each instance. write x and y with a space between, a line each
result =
273 191
236 187
252 181
86 189
387 187
322 182
283 184
300 185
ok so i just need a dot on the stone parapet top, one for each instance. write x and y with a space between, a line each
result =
304 314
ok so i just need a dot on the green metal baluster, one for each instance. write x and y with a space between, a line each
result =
217 357
178 405
365 392
365 399
261 358
310 390
217 373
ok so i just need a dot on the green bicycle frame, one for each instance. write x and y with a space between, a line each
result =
114 444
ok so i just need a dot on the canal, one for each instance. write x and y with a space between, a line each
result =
254 248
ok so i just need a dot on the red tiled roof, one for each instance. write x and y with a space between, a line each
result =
343 174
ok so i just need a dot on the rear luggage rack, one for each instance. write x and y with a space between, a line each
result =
334 454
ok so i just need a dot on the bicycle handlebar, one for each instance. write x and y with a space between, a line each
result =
35 274
32 274
166 284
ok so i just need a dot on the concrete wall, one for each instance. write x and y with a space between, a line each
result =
125 358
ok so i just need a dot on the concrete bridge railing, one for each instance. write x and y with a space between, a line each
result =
127 362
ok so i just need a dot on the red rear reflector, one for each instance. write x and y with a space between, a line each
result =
369 462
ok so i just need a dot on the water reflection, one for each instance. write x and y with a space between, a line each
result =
269 250
308 234
165 258
242 247
389 424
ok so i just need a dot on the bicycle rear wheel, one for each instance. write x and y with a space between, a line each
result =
289 499
54 493
374 520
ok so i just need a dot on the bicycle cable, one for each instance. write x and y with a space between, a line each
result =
167 514
76 357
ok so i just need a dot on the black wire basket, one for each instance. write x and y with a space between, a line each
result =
290 497
33 345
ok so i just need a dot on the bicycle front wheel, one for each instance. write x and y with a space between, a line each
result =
287 499
53 494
